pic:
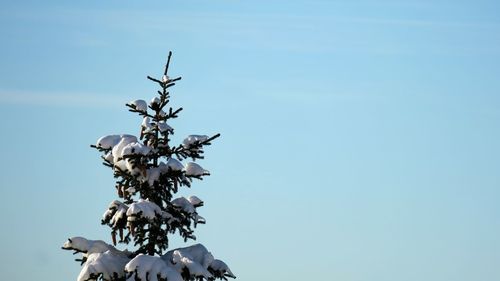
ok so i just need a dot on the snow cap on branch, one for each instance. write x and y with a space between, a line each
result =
145 209
198 261
118 148
139 105
164 127
150 268
220 269
190 140
197 202
107 142
108 266
174 165
135 148
183 204
146 124
155 103
86 246
195 170
116 212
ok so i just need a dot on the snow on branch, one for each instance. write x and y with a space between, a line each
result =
107 266
88 247
197 262
150 268
145 209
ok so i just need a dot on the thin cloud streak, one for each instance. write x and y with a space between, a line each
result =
82 100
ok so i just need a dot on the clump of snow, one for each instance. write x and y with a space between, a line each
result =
139 105
145 209
183 204
135 148
150 268
195 170
146 124
197 202
165 79
87 247
155 102
162 114
121 164
153 175
118 148
220 269
107 142
164 127
174 165
195 259
193 139
107 266
116 213
109 157
198 261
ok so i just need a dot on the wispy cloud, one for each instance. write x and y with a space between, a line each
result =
68 99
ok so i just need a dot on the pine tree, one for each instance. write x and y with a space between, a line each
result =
149 172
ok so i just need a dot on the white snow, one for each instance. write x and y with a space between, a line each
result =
155 102
191 139
195 258
195 269
162 113
164 127
139 105
121 164
183 204
134 169
135 148
146 124
116 211
87 246
153 175
107 142
151 268
199 219
197 202
165 79
221 268
108 265
195 170
174 165
145 209
109 157
118 148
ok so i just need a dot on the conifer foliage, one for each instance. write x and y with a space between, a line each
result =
149 171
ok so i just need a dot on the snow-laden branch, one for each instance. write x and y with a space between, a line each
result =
107 266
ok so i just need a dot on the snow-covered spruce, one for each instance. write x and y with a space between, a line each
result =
149 172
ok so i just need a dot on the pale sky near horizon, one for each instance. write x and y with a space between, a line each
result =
360 139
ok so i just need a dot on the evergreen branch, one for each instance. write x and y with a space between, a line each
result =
168 62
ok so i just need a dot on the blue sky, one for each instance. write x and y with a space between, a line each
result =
359 138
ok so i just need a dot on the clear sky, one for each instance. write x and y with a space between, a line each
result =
360 139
